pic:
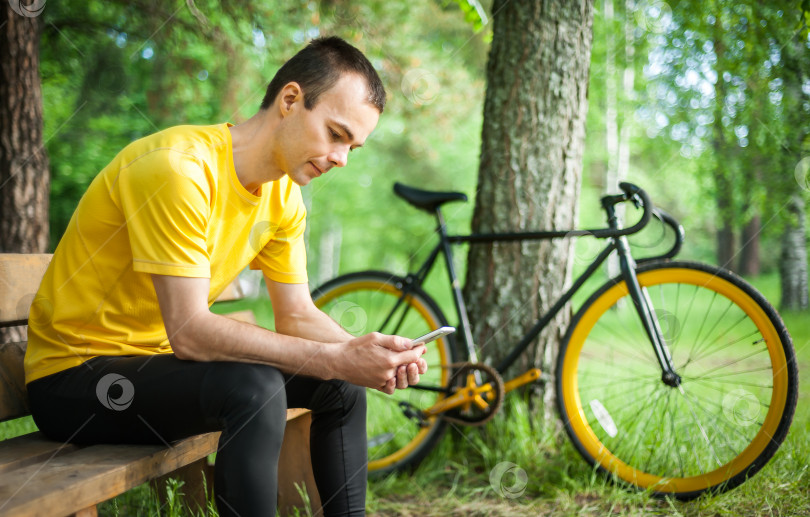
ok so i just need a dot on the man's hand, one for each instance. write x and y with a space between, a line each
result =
382 362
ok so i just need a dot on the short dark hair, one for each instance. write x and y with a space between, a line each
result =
319 65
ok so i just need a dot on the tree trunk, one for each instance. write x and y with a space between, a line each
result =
24 180
530 173
793 263
617 140
749 247
721 174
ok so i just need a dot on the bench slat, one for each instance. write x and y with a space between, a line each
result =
31 448
89 475
20 276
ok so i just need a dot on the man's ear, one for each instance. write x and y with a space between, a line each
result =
290 94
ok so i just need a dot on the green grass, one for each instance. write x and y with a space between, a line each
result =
455 478
548 476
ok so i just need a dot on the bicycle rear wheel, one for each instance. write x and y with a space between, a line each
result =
373 301
735 403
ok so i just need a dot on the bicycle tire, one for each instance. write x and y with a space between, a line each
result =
361 302
739 380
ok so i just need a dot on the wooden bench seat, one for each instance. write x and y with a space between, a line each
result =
41 477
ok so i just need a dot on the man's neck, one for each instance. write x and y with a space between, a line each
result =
252 144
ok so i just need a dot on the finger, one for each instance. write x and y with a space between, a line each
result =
394 343
402 377
413 374
407 357
389 387
423 366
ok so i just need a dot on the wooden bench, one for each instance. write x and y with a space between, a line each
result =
40 477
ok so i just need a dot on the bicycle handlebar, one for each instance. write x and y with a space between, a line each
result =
631 193
639 197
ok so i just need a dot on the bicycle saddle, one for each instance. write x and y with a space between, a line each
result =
426 199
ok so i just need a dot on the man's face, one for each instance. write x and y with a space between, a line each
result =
313 141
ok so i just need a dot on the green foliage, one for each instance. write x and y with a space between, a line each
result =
473 13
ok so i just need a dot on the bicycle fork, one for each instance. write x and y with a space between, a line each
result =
645 311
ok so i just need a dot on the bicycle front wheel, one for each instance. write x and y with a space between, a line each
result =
732 409
373 301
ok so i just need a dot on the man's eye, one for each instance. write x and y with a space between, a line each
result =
334 134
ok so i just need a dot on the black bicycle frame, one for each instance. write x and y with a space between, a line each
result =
617 242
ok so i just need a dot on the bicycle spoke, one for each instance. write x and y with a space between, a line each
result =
677 448
613 381
612 396
717 431
622 339
702 431
760 369
700 330
707 353
703 374
646 424
724 389
650 458
732 343
717 320
735 383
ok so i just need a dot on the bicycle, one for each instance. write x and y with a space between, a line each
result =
675 377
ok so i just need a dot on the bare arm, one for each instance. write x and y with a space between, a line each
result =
296 315
197 334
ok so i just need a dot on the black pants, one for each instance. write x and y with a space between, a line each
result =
158 399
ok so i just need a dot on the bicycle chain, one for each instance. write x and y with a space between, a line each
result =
475 416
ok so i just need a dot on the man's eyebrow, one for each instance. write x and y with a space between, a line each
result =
348 131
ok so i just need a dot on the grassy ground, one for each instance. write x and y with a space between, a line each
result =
511 467
457 479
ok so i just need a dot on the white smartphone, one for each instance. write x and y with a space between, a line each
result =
431 336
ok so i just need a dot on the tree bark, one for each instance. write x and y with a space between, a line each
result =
24 179
749 247
793 263
530 174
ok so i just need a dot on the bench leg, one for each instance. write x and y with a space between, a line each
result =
295 466
195 476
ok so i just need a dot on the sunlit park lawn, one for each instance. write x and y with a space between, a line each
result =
468 473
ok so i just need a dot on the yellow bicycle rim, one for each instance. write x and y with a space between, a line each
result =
604 457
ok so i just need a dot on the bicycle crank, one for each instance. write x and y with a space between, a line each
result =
478 392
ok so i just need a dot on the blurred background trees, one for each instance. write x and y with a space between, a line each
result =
705 105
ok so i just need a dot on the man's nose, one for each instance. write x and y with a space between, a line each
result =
339 157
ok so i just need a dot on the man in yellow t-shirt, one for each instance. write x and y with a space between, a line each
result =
122 344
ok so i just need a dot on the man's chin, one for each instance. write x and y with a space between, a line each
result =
302 180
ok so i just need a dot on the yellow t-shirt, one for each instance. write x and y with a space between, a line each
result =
169 204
